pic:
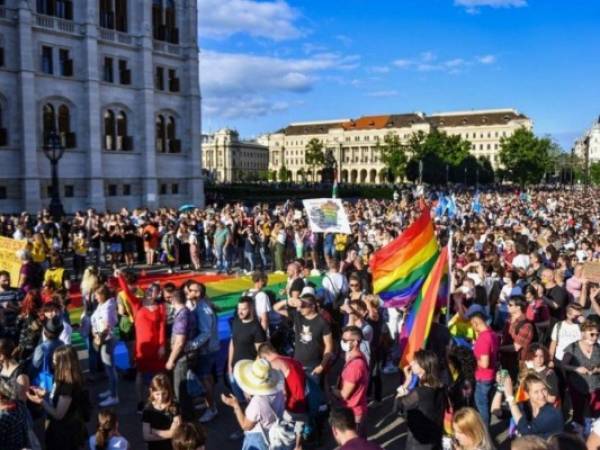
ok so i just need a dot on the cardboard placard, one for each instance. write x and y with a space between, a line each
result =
8 257
591 271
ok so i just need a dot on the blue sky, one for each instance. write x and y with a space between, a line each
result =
267 63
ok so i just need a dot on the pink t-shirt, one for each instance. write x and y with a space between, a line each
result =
357 372
487 343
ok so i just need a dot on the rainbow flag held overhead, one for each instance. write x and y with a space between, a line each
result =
418 323
400 268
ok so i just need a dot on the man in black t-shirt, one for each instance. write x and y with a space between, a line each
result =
313 341
246 336
555 296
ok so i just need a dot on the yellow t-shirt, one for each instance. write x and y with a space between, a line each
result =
55 276
38 252
80 246
340 242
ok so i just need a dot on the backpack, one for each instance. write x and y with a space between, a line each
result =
522 323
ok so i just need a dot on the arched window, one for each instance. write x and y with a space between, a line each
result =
122 141
160 134
48 121
64 127
172 142
109 130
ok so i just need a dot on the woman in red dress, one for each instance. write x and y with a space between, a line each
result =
150 322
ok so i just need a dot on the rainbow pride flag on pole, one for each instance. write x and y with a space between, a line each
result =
400 268
418 323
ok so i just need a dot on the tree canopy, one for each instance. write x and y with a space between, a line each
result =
525 157
314 155
393 155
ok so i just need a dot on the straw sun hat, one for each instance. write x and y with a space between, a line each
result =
257 377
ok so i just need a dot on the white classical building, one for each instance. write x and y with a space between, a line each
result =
353 142
227 158
118 80
590 138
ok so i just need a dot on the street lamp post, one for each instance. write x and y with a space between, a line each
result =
465 176
447 174
54 150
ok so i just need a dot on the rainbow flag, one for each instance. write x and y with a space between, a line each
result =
400 268
418 323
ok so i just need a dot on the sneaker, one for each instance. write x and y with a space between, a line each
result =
104 394
208 415
109 401
390 369
236 435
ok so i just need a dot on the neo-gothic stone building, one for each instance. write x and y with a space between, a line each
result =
118 80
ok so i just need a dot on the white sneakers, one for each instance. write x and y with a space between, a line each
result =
209 415
109 401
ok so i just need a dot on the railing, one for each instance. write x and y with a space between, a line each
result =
115 36
54 23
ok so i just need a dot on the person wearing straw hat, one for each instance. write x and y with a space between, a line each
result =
264 387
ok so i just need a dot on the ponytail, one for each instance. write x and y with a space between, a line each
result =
107 422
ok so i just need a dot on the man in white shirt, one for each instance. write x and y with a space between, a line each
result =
262 304
565 332
334 283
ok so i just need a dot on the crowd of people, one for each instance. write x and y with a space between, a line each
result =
517 344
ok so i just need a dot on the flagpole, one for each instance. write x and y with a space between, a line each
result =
450 277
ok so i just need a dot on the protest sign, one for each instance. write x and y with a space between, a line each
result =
327 215
8 257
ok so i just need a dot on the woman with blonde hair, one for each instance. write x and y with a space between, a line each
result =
470 433
161 416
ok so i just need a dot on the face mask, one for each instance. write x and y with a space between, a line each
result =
345 346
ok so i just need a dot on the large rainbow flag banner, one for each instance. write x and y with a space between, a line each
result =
415 330
400 268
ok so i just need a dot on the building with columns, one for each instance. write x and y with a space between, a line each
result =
226 158
118 81
354 141
588 145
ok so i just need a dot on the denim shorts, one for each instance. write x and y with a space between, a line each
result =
205 364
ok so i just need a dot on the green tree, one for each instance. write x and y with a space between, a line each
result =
525 156
272 175
302 174
314 155
595 172
437 150
393 155
283 174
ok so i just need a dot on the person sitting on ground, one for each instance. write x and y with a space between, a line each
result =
470 433
189 436
161 416
530 443
107 436
538 417
344 432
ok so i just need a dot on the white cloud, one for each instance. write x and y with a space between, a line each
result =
428 62
346 40
389 93
241 85
473 6
487 59
379 69
402 63
274 20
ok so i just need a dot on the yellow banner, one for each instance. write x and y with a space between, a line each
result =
8 257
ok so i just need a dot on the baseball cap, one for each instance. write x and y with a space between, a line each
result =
308 293
476 310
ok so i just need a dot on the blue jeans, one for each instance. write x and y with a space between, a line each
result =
254 441
263 252
483 396
236 390
107 351
222 258
249 256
